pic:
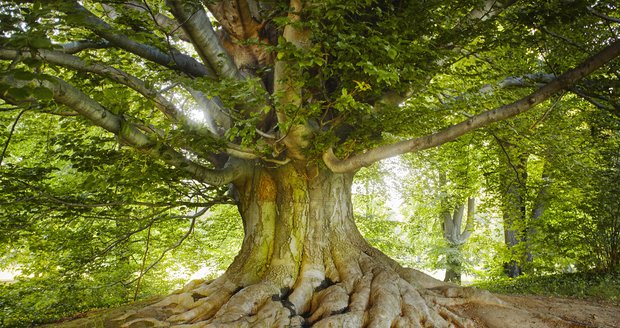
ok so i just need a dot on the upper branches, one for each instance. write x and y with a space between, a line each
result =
564 81
174 59
193 18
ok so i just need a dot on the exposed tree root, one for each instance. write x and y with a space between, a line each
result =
304 263
364 292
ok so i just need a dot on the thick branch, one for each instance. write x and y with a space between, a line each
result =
174 59
239 18
196 24
458 219
603 16
77 46
217 117
112 73
73 98
475 122
286 88
167 25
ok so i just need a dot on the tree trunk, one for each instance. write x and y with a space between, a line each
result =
513 184
455 238
304 263
453 267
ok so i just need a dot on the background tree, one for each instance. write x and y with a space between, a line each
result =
446 182
281 103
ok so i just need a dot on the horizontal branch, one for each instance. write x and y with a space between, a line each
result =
114 74
475 122
603 16
77 46
66 94
167 25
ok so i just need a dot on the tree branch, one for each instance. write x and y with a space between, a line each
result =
193 18
487 9
288 91
603 16
218 119
469 224
167 25
8 139
475 122
613 108
174 59
114 74
73 98
77 46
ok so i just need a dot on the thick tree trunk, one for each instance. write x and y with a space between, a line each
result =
304 263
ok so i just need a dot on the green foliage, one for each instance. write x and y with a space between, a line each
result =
78 213
84 218
581 285
60 279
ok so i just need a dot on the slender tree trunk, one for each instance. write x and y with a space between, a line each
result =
452 226
538 209
513 184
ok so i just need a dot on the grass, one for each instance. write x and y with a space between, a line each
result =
588 285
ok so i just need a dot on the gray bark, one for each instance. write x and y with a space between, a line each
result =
66 94
193 18
456 236
173 59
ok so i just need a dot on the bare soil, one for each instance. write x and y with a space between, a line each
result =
541 311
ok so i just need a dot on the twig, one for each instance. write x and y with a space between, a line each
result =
146 252
177 244
8 140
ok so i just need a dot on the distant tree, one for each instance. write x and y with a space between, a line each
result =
456 234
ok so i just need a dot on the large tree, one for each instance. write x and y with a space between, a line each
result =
282 103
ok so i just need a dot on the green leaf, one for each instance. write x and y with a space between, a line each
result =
18 93
24 75
42 93
40 43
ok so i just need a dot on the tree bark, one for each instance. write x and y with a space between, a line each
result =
452 225
303 262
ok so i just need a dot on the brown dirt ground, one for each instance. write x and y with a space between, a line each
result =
540 311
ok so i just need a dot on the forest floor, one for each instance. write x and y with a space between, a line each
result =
532 312
543 311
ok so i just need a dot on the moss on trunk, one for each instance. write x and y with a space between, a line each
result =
304 263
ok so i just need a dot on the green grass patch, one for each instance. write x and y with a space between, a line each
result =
580 285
